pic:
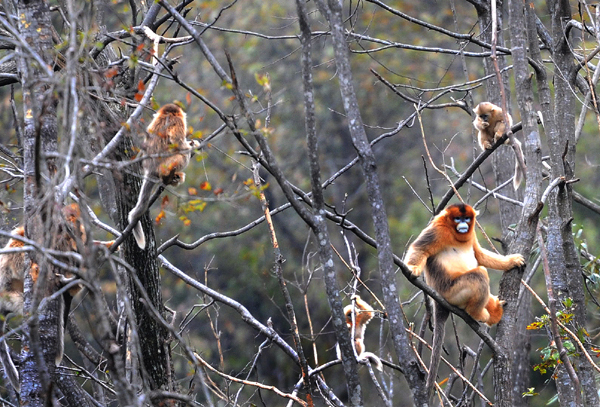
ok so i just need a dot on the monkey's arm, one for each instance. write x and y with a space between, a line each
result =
364 312
495 261
499 130
425 246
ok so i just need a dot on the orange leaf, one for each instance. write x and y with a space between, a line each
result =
188 98
192 191
164 202
160 217
141 86
205 186
110 73
218 191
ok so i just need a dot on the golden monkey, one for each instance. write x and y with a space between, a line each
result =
455 266
363 313
169 153
489 121
13 272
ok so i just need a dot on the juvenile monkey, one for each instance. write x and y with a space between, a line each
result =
363 313
455 266
169 153
489 121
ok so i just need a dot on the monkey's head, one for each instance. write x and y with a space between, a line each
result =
461 218
483 112
172 109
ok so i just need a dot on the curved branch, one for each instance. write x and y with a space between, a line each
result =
473 167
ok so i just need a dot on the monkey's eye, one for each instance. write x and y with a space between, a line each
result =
457 220
468 220
484 117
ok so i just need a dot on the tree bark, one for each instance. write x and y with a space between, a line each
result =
39 344
406 358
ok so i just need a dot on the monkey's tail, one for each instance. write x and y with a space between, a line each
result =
138 234
10 370
373 358
440 316
137 212
519 171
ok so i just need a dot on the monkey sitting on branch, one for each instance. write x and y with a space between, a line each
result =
357 318
455 266
169 152
489 122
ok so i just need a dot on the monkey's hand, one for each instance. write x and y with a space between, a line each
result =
415 269
516 260
487 145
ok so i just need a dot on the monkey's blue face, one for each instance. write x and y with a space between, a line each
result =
462 223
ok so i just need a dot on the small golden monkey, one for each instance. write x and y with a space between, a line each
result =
169 153
489 122
455 266
360 316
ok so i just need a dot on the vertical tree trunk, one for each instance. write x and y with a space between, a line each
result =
562 255
411 369
503 159
39 346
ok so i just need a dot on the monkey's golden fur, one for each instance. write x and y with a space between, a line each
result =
455 266
363 313
169 152
489 122
12 274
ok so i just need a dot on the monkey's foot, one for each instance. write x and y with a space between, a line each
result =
178 178
415 270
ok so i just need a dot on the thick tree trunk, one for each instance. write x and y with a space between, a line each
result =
563 258
514 363
39 345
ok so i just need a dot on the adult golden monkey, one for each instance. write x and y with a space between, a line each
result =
169 152
455 266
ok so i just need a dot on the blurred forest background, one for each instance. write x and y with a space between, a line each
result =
397 65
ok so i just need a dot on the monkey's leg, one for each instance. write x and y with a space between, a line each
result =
170 168
485 142
139 209
440 315
11 301
495 307
471 292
